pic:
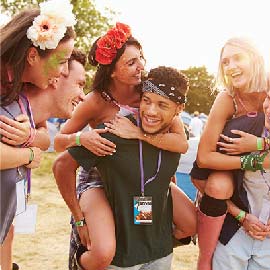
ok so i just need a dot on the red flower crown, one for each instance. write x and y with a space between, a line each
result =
108 45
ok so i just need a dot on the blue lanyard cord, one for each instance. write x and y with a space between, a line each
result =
143 182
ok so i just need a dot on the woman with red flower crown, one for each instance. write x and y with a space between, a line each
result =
116 89
35 47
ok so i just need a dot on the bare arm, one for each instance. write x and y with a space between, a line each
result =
85 111
42 138
207 156
253 226
17 132
174 141
64 169
12 157
246 143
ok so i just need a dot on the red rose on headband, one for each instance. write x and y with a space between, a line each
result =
108 45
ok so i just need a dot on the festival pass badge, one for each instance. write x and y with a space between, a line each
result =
142 207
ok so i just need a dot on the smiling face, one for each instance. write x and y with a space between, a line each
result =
236 65
129 67
70 89
41 70
157 113
266 109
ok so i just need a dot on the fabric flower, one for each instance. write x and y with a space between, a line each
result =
60 10
50 26
108 45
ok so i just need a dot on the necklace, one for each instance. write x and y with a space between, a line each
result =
107 97
249 113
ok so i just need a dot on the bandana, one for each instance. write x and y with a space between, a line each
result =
161 89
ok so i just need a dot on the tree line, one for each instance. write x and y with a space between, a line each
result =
91 23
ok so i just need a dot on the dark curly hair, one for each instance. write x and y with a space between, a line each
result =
171 77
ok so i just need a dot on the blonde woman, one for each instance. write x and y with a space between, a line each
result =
241 74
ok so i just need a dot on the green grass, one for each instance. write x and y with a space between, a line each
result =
48 247
46 164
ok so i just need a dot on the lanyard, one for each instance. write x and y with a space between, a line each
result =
143 181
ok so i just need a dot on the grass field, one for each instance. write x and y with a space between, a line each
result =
47 249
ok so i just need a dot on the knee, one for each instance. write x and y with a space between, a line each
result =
219 188
103 255
63 162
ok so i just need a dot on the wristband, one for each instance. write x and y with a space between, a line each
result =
260 144
80 223
253 162
77 140
241 215
31 157
266 143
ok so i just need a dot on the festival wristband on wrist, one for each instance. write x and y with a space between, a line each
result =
253 162
241 216
80 223
260 144
77 138
31 157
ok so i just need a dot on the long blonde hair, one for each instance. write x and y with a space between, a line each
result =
258 81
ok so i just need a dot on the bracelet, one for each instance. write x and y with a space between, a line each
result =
32 155
77 138
260 144
247 162
253 162
266 143
31 137
241 216
80 223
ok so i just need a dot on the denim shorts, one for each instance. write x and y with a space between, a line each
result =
242 253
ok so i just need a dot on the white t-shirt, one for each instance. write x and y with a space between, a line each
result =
196 126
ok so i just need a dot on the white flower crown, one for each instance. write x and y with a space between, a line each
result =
50 26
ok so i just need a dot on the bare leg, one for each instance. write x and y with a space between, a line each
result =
100 224
220 185
211 215
184 213
199 184
6 250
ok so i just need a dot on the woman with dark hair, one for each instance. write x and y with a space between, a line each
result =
35 47
116 89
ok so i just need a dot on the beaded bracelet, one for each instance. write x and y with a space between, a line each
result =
266 143
31 137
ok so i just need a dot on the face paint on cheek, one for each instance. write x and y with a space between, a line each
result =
53 62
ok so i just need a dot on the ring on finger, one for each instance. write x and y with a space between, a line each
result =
231 140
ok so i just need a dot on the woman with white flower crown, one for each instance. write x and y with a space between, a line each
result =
35 47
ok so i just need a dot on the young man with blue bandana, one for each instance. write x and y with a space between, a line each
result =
137 177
